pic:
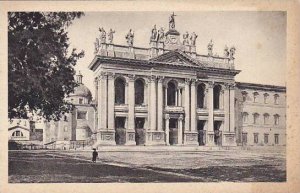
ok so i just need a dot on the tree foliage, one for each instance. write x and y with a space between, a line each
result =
40 63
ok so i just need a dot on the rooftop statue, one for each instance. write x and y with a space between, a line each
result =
232 52
111 36
129 37
96 43
161 35
172 21
226 52
210 48
153 34
186 38
102 35
193 39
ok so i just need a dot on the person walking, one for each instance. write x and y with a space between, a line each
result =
95 155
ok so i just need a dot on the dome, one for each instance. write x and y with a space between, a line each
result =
82 91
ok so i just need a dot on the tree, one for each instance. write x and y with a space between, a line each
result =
40 63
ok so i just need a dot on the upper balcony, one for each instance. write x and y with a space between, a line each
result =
121 107
174 109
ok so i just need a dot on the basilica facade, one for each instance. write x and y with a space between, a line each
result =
166 94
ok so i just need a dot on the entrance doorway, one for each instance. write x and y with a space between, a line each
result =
139 131
173 131
217 133
201 132
120 136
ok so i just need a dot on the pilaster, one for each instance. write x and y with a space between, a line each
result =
160 104
193 105
210 131
167 130
187 105
226 108
180 130
111 102
153 103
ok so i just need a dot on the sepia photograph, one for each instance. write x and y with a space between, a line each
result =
143 97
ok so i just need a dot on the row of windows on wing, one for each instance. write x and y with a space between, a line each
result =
172 95
256 96
256 138
256 117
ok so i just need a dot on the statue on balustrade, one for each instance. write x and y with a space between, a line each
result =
172 21
97 44
226 52
193 39
186 38
210 48
129 37
232 52
102 35
111 36
161 35
153 34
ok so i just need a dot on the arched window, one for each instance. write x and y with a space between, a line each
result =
255 97
244 95
217 94
276 119
266 98
255 118
119 91
245 117
276 98
171 94
266 118
139 92
17 134
200 96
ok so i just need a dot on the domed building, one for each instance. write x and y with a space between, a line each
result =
77 128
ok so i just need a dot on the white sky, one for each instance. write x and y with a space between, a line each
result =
259 38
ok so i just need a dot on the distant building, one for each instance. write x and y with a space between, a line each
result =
77 128
261 116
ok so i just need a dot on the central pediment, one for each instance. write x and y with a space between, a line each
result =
177 57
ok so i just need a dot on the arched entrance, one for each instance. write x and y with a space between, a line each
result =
173 131
217 94
140 132
201 132
217 133
200 96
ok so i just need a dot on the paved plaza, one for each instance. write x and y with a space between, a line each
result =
259 165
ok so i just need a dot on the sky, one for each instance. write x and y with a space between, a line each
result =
259 38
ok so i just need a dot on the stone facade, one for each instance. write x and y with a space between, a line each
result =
181 97
261 116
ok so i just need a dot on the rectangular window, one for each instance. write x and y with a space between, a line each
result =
80 101
255 138
81 115
266 138
276 138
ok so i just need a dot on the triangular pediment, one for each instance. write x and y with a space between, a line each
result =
177 57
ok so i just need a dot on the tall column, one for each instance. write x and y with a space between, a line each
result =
179 97
111 102
210 106
187 105
193 105
167 118
176 97
180 130
166 95
159 104
131 102
153 103
232 101
99 102
104 100
226 108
